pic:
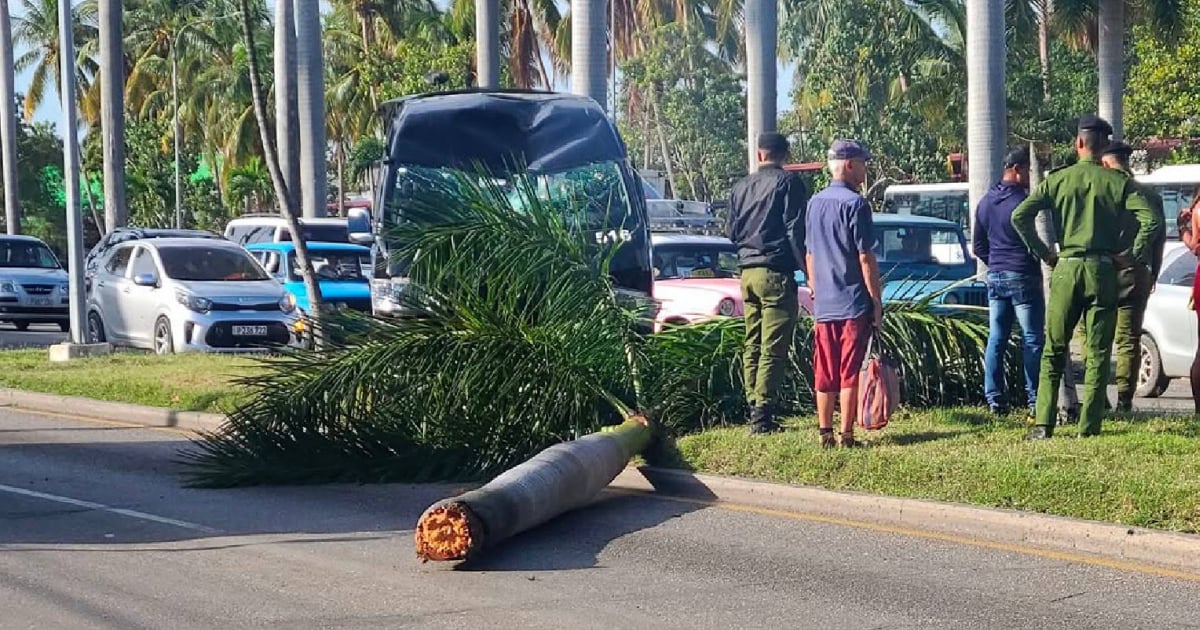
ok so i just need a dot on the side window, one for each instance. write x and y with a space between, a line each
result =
143 263
1181 272
260 234
118 262
237 234
270 262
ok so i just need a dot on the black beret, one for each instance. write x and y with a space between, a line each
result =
1119 149
1088 122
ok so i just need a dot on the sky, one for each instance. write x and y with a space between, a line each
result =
51 111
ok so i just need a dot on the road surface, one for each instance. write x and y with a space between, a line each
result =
95 532
38 336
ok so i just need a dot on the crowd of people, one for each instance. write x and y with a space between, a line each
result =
1085 245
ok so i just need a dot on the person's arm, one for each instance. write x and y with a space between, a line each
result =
980 245
1148 222
1024 220
1187 226
796 200
729 218
864 239
809 275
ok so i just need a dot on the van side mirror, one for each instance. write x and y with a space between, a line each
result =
358 223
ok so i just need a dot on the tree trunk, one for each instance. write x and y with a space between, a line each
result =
1110 58
285 199
341 179
662 141
91 199
762 38
589 55
287 122
487 43
310 81
986 111
8 127
1045 11
112 113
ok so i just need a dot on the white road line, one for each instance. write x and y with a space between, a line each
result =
91 505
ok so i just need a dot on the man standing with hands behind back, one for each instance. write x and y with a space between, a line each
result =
843 274
766 223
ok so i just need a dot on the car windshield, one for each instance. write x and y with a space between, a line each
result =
332 266
334 233
597 190
26 254
914 244
673 262
203 264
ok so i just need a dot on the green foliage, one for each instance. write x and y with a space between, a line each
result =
405 72
698 105
1163 91
40 183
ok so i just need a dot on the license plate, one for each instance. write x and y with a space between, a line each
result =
249 331
40 301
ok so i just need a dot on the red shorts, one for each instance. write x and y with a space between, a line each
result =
840 349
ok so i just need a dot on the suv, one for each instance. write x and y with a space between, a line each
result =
33 285
125 234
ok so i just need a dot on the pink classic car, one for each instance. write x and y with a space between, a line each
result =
696 278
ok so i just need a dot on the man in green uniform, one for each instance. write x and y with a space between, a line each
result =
1135 282
1088 205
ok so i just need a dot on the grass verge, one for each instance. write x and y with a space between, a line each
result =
1142 471
184 382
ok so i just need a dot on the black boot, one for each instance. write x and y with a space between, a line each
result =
762 421
1124 403
1040 433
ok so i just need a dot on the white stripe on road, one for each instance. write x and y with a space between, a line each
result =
91 505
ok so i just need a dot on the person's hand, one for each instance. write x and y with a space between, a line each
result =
1122 261
1052 261
877 313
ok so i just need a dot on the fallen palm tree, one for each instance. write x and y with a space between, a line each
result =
559 479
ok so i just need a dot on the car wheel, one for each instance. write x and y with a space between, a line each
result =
1151 382
163 343
21 326
95 328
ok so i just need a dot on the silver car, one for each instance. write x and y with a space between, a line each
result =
188 295
33 285
1169 330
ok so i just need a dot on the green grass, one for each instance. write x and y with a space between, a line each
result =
1142 471
185 382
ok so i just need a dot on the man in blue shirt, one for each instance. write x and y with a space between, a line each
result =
843 276
1014 282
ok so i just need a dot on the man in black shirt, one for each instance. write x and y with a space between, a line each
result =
766 223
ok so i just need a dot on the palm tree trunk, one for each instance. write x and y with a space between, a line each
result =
762 38
656 112
589 56
487 43
8 127
1110 58
112 113
310 80
287 123
285 199
986 111
341 179
1045 12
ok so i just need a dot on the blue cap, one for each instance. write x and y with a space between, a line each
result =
848 150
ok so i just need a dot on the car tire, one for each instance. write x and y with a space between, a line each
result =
1151 382
21 326
164 343
95 328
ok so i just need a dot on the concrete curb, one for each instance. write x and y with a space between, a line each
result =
110 411
1118 543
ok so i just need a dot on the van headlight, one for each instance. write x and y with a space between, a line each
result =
287 303
193 302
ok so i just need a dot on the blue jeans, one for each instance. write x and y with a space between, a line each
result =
1013 295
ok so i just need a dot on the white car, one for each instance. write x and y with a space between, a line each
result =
186 295
1169 329
33 285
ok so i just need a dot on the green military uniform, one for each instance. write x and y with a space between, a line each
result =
1088 205
1135 282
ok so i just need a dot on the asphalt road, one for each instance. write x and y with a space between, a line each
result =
95 532
38 336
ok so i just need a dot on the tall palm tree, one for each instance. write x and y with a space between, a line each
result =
37 33
762 39
112 113
287 120
8 126
986 111
310 75
529 31
589 67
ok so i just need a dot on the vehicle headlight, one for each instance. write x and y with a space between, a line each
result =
287 303
193 302
64 289
726 307
951 298
8 287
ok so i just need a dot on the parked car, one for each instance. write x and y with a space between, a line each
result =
926 258
338 267
33 285
696 278
126 234
1169 328
184 295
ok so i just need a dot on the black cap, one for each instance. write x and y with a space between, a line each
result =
848 150
1089 122
1119 149
772 142
1017 157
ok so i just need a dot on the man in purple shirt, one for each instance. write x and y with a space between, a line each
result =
1014 282
843 276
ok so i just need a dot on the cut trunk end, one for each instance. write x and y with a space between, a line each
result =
445 533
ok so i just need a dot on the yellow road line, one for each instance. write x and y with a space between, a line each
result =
111 423
1096 561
